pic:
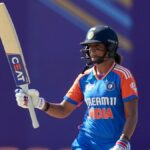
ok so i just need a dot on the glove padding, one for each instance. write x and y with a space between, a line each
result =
121 144
22 98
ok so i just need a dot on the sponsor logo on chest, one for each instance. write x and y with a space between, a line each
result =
89 86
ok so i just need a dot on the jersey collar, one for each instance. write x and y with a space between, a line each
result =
103 76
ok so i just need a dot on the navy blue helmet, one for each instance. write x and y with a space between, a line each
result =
102 34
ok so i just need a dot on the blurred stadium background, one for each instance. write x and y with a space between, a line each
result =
50 32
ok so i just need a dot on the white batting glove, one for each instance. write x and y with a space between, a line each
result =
22 98
121 144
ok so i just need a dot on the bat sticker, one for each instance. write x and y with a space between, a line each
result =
17 69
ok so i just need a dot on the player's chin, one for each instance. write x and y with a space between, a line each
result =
94 59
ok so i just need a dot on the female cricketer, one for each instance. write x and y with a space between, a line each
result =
109 91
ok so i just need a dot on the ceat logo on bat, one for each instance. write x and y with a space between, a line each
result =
18 69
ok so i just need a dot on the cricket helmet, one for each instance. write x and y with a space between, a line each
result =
104 35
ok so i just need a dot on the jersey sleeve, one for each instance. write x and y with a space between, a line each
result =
75 95
128 88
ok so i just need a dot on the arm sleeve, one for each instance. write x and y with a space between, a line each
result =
75 95
128 88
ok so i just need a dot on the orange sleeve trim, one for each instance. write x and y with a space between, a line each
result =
75 92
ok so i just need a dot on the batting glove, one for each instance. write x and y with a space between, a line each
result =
22 98
121 144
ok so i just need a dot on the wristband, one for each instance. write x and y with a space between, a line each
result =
122 143
47 106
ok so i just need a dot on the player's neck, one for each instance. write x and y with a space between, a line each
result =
104 67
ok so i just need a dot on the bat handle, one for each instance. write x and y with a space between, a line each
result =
34 120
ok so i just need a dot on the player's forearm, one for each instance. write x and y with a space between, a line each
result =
130 125
56 110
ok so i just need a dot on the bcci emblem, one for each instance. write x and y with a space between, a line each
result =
90 34
110 86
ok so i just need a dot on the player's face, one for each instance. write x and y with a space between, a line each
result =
96 51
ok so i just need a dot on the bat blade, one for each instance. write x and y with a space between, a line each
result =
12 47
15 56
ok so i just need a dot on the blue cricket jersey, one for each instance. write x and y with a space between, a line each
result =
105 97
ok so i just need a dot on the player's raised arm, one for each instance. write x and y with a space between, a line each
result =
72 99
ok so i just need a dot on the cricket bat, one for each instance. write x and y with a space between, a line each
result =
15 56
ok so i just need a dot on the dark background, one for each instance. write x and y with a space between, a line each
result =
50 34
